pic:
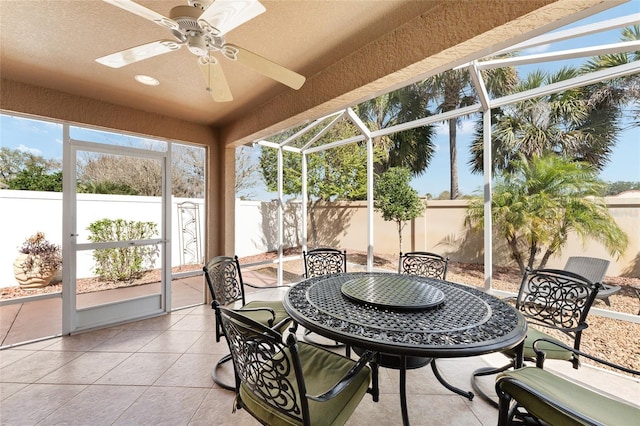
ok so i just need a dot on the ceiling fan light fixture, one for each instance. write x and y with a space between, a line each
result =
146 80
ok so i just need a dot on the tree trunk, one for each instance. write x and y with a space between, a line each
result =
513 245
533 249
399 224
545 258
453 158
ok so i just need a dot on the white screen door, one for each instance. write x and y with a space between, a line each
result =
117 244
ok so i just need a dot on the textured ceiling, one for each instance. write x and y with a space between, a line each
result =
55 44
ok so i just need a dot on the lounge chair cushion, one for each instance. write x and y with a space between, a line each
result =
321 370
563 393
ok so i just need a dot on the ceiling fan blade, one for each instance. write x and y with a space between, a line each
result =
264 66
133 7
224 15
139 53
214 77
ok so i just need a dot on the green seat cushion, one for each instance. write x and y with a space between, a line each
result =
321 370
264 316
567 396
551 351
592 405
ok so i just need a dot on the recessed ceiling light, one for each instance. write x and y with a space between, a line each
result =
145 79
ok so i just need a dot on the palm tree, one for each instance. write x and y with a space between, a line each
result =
455 90
454 87
411 148
620 91
541 201
581 123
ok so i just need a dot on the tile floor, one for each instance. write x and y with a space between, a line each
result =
158 371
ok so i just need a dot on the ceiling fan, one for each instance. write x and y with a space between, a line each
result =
201 26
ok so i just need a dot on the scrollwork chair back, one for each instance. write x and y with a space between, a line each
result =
224 280
423 264
557 300
324 261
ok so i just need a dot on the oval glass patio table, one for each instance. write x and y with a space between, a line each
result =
468 322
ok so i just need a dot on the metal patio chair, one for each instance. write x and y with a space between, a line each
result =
531 395
281 381
423 264
324 261
319 262
594 269
224 279
549 299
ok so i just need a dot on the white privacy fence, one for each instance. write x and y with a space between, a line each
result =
26 212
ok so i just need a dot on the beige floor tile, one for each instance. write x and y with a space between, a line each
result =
207 344
190 370
163 406
35 402
95 405
127 341
139 369
7 356
195 323
35 366
172 341
84 341
160 323
8 315
384 412
86 369
217 410
440 410
8 389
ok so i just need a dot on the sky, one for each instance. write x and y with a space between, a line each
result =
44 138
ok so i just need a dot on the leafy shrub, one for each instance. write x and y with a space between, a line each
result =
123 263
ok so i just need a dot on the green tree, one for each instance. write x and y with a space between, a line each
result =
620 91
454 90
615 188
396 199
540 201
35 178
411 148
29 171
565 123
336 174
